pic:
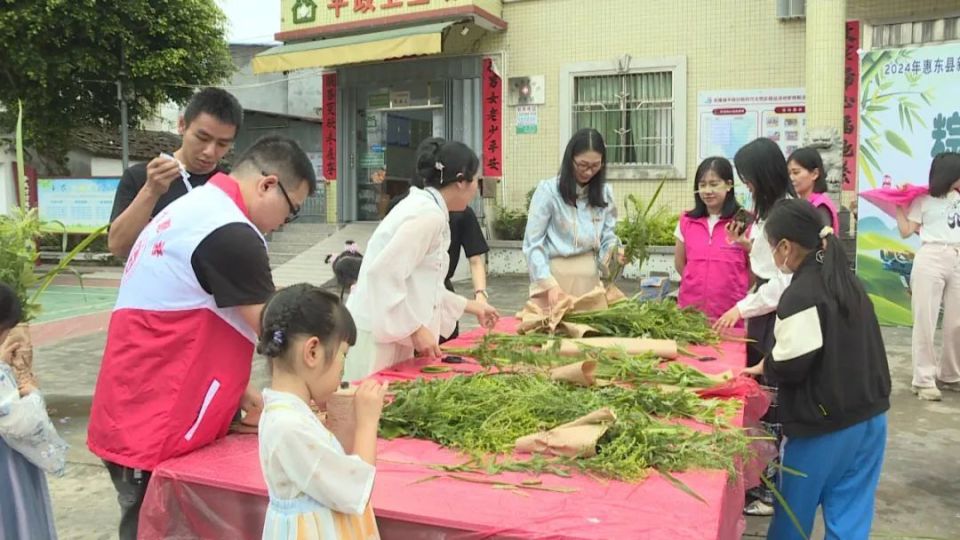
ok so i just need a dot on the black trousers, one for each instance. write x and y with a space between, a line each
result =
760 333
131 486
456 329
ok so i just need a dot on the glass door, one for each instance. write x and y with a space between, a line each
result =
391 124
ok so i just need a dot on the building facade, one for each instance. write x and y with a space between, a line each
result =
652 76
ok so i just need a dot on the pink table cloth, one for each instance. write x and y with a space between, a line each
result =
219 492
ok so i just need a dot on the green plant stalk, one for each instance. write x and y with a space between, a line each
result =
64 263
649 319
485 414
21 168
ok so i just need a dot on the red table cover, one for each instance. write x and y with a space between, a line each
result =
219 492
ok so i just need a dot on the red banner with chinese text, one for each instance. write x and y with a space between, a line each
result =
492 121
851 105
329 131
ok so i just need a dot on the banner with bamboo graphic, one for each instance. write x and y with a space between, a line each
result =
909 112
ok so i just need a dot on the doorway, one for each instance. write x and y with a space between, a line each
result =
387 148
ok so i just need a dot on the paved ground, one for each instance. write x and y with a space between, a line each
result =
918 495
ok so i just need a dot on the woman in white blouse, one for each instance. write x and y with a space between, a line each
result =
763 169
935 278
400 304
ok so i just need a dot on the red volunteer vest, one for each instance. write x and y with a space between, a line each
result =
175 365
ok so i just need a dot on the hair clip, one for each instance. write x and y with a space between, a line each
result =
278 337
826 231
439 166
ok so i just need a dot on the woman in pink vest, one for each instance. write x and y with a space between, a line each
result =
715 273
810 182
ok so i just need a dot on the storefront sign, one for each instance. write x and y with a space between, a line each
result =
527 120
727 120
82 205
331 16
379 100
909 112
850 100
492 121
330 127
400 99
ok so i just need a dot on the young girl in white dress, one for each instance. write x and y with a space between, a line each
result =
316 489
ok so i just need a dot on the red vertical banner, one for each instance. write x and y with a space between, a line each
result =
329 131
492 121
851 105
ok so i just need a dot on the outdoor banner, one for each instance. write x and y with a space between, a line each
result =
81 205
909 112
329 128
729 119
851 85
492 120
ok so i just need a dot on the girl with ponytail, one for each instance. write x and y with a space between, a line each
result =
400 304
830 366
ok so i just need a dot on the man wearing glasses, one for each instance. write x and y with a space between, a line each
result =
176 365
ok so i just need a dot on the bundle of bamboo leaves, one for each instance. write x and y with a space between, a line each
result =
503 350
655 319
484 415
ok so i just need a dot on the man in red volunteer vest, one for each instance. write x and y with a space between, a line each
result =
176 366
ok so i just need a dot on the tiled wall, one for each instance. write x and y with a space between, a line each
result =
728 44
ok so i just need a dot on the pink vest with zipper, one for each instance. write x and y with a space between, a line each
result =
717 273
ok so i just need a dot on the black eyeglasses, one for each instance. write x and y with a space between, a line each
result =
294 210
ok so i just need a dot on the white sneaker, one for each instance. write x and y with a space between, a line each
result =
952 386
758 508
927 394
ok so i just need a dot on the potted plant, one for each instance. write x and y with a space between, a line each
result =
20 233
510 224
643 226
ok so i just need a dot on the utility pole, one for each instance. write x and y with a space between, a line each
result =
122 97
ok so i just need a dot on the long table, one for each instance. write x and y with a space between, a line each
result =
219 492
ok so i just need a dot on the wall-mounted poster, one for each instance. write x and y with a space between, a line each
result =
82 205
729 119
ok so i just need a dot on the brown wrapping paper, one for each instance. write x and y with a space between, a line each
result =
22 358
573 439
538 316
664 348
579 373
340 418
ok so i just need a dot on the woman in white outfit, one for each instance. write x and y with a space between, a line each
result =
935 278
400 304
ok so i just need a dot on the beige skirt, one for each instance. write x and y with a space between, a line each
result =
576 275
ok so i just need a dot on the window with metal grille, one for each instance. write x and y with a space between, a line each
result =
915 33
633 111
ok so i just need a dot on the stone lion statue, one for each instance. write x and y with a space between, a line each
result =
829 142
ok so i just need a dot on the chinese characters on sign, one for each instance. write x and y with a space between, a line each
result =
371 6
492 121
946 134
851 110
329 129
948 64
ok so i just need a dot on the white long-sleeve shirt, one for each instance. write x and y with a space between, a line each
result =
400 286
765 298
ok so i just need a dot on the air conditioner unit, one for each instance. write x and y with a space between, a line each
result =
791 9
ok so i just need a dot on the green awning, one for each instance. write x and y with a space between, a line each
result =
397 43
